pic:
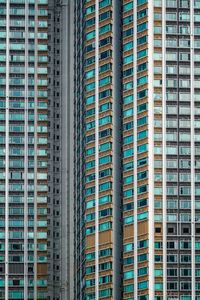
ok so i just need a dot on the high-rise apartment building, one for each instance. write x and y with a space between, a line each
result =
136 149
60 180
23 149
101 141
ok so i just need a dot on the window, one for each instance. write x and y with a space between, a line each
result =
128 6
141 27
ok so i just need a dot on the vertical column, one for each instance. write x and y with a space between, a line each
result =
117 154
35 149
97 150
192 147
26 158
7 153
67 149
135 153
164 169
151 145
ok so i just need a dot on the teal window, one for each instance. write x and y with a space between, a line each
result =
105 80
142 94
142 175
128 99
105 279
128 125
128 86
158 272
105 199
90 217
128 152
142 216
142 67
90 151
142 271
90 9
129 288
127 20
142 53
105 172
142 107
142 27
128 193
129 274
90 125
128 59
142 285
142 189
142 161
90 191
142 148
105 120
104 16
105 68
128 166
158 245
128 6
142 202
142 257
128 139
104 3
90 22
90 74
105 146
105 266
142 134
16 295
105 226
142 80
142 244
105 293
90 164
128 247
105 159
90 61
128 113
128 46
158 286
128 220
142 121
142 13
90 282
105 252
105 186
128 206
142 40
90 269
140 2
105 28
128 179
90 177
90 35
89 87
105 106
128 261
105 212
128 72
128 32
158 258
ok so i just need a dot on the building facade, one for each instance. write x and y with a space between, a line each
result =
136 149
100 149
23 149
60 180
